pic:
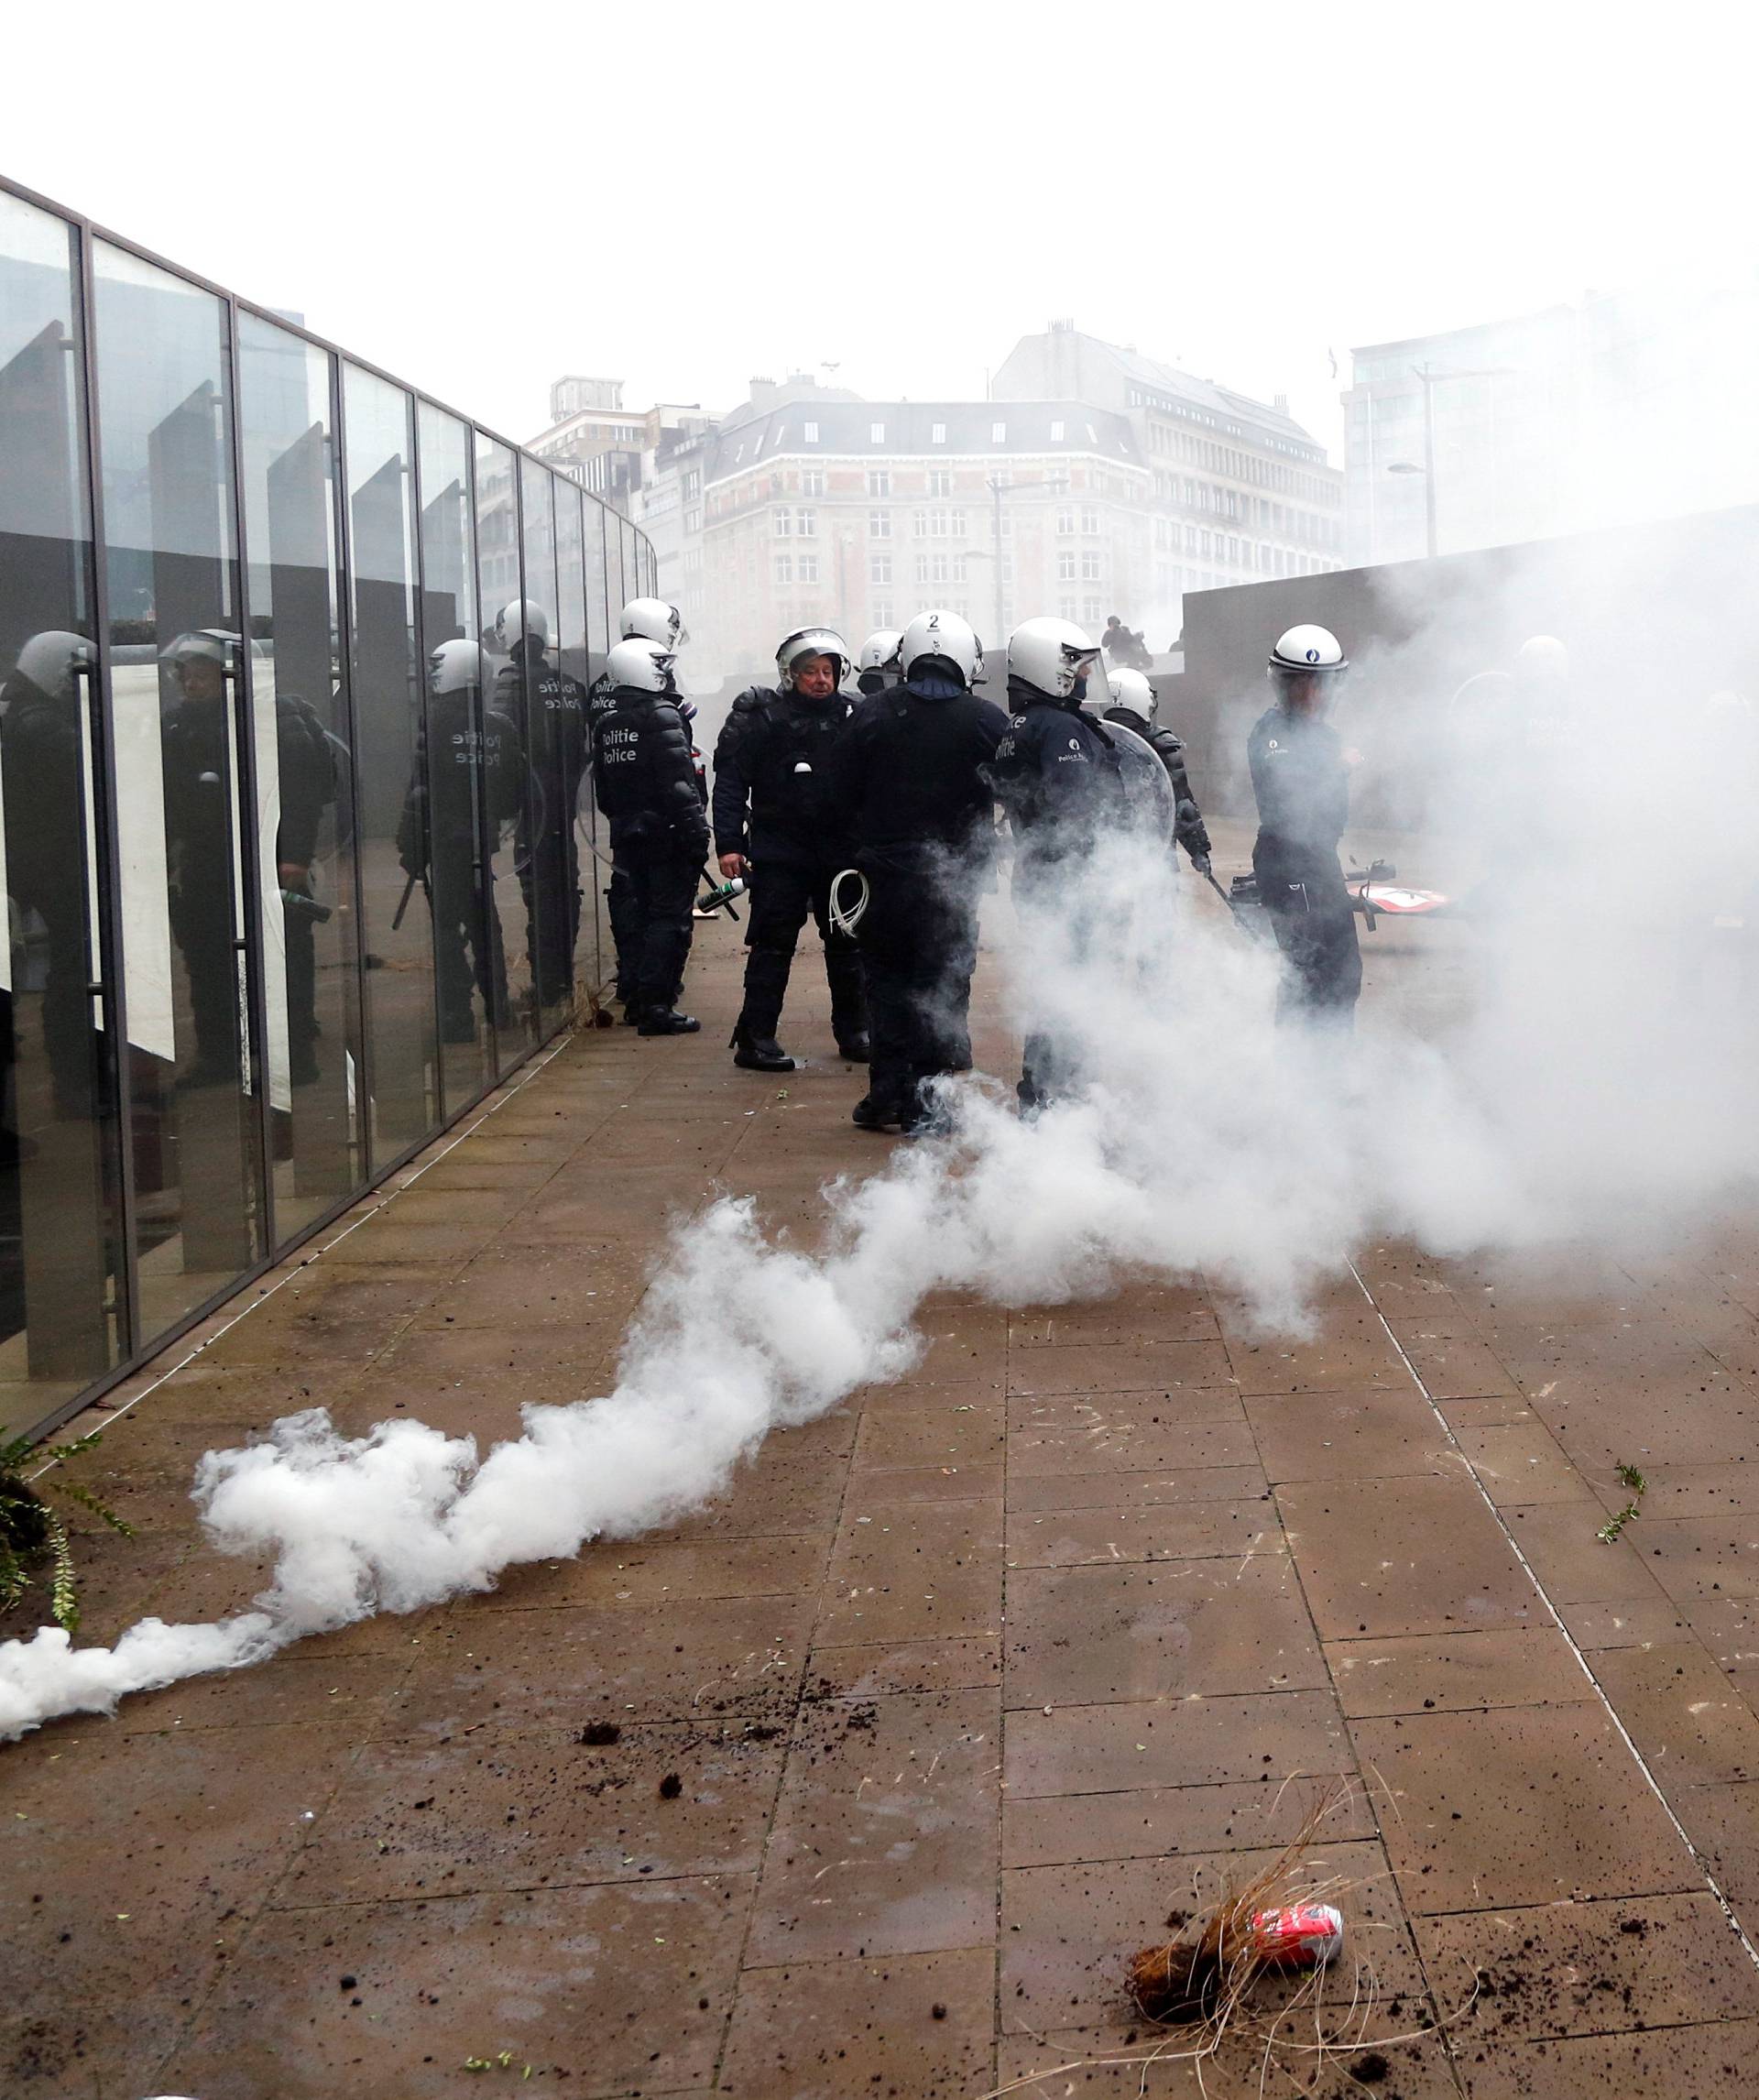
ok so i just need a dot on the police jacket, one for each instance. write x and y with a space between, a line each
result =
1302 788
644 780
907 784
1189 829
773 755
455 763
306 761
1056 774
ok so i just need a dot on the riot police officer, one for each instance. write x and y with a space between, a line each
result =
773 825
909 793
1057 777
647 787
1134 704
545 854
876 669
1301 784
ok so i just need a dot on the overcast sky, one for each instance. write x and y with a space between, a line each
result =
683 195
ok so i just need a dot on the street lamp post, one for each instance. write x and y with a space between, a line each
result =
1427 469
998 485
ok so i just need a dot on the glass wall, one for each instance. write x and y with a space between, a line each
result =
305 773
292 810
63 1293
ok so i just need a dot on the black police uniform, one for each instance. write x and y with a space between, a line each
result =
772 807
1190 829
458 764
908 789
1302 788
43 776
546 855
1056 775
307 774
646 784
599 699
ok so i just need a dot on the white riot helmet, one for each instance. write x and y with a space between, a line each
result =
880 651
1542 660
1052 656
1130 689
455 667
812 641
1308 649
521 621
654 620
642 664
946 636
48 660
202 645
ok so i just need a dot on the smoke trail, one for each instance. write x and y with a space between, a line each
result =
1594 1081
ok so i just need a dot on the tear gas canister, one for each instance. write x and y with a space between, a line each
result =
1298 1936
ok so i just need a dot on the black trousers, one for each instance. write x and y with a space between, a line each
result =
783 895
1314 925
467 948
626 940
658 894
550 883
919 947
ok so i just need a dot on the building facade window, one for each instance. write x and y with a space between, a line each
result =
937 434
921 568
878 568
919 524
1066 523
811 482
806 523
940 481
997 433
1090 568
1065 566
880 612
812 433
879 524
1056 433
879 481
809 568
785 524
1090 611
1089 522
876 433
784 568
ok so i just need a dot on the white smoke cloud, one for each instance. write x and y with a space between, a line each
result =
1588 1079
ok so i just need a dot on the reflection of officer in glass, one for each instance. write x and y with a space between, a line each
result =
41 767
198 842
545 854
306 759
437 838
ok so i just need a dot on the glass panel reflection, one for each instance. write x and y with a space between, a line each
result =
61 1229
402 1060
177 679
503 776
440 837
304 771
555 748
576 666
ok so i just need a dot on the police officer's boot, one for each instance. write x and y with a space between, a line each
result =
757 1052
848 1003
665 1021
754 1044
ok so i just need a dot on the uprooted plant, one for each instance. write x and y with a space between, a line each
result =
33 1538
1630 1478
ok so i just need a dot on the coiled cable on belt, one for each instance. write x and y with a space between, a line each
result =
844 917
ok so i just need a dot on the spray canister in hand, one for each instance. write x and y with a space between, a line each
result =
720 898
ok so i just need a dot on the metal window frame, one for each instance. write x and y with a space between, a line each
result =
134 1349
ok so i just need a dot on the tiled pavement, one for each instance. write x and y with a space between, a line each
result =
866 1780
